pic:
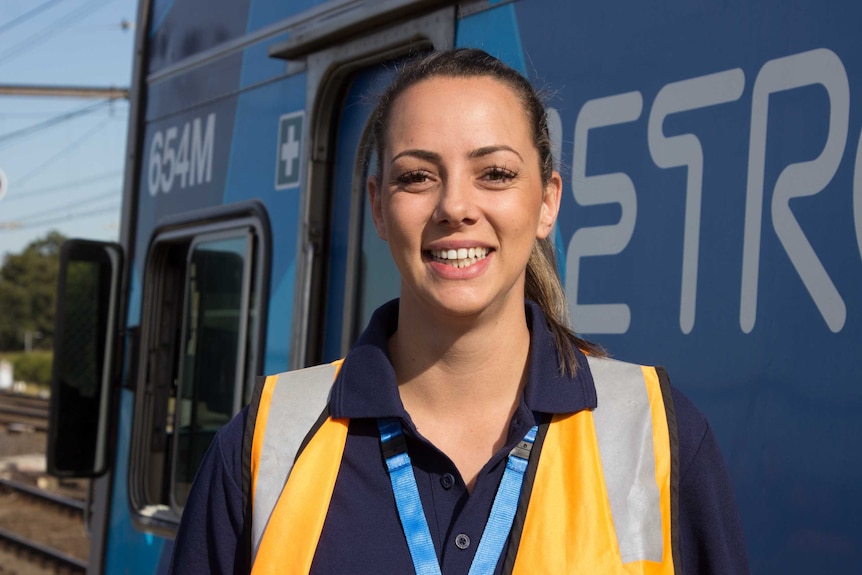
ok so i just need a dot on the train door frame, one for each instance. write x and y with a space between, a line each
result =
330 69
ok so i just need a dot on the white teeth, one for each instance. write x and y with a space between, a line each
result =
460 258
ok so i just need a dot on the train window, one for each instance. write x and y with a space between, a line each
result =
201 341
361 273
211 354
378 279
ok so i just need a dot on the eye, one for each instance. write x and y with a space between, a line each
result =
499 175
413 177
414 180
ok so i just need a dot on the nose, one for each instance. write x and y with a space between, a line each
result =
456 203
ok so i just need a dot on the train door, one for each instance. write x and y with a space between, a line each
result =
345 271
361 273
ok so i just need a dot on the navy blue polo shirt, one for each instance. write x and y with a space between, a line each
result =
362 533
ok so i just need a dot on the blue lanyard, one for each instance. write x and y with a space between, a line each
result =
412 515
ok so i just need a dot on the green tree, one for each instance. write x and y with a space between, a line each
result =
28 285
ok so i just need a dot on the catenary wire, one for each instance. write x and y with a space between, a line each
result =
69 148
52 29
5 227
47 190
55 209
27 15
32 129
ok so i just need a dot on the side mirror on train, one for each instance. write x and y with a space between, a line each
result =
84 350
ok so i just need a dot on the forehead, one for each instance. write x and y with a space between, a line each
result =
459 111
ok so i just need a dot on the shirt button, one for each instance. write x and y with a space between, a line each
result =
462 541
448 480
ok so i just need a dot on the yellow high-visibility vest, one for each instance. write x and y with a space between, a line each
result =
603 498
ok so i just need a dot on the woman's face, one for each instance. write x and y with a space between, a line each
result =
460 199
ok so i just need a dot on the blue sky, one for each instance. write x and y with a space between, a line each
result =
67 176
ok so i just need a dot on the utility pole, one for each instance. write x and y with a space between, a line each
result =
64 91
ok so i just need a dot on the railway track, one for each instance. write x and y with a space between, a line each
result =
23 412
55 513
41 532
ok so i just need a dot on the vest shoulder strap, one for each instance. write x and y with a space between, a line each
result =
624 430
286 411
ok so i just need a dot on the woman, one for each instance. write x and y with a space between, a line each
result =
468 430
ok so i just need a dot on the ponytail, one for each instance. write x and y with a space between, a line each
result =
543 286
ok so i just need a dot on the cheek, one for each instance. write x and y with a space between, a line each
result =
403 222
519 215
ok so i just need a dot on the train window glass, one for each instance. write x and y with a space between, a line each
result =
361 274
379 280
211 354
200 351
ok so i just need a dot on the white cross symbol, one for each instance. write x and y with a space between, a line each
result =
289 151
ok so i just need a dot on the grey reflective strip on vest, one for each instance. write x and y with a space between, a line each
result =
298 399
623 422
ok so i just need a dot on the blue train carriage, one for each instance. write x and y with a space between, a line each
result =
712 223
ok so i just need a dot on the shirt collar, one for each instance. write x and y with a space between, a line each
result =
366 385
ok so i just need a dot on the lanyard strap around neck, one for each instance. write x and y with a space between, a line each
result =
412 515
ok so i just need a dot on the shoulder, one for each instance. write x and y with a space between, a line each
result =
223 462
219 477
229 441
688 424
692 429
695 440
711 535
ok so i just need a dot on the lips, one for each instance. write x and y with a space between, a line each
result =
459 257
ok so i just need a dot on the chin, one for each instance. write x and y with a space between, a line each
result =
463 305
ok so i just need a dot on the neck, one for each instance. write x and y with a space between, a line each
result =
452 365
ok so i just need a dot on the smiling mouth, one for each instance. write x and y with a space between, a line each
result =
459 258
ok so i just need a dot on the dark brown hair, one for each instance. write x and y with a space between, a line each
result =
542 280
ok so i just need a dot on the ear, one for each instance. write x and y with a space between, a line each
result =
550 206
374 193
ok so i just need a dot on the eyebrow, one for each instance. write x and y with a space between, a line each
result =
477 153
420 154
488 150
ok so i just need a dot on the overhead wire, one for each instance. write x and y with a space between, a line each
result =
73 210
69 148
76 204
4 115
64 21
123 25
27 15
47 190
15 226
32 129
121 112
